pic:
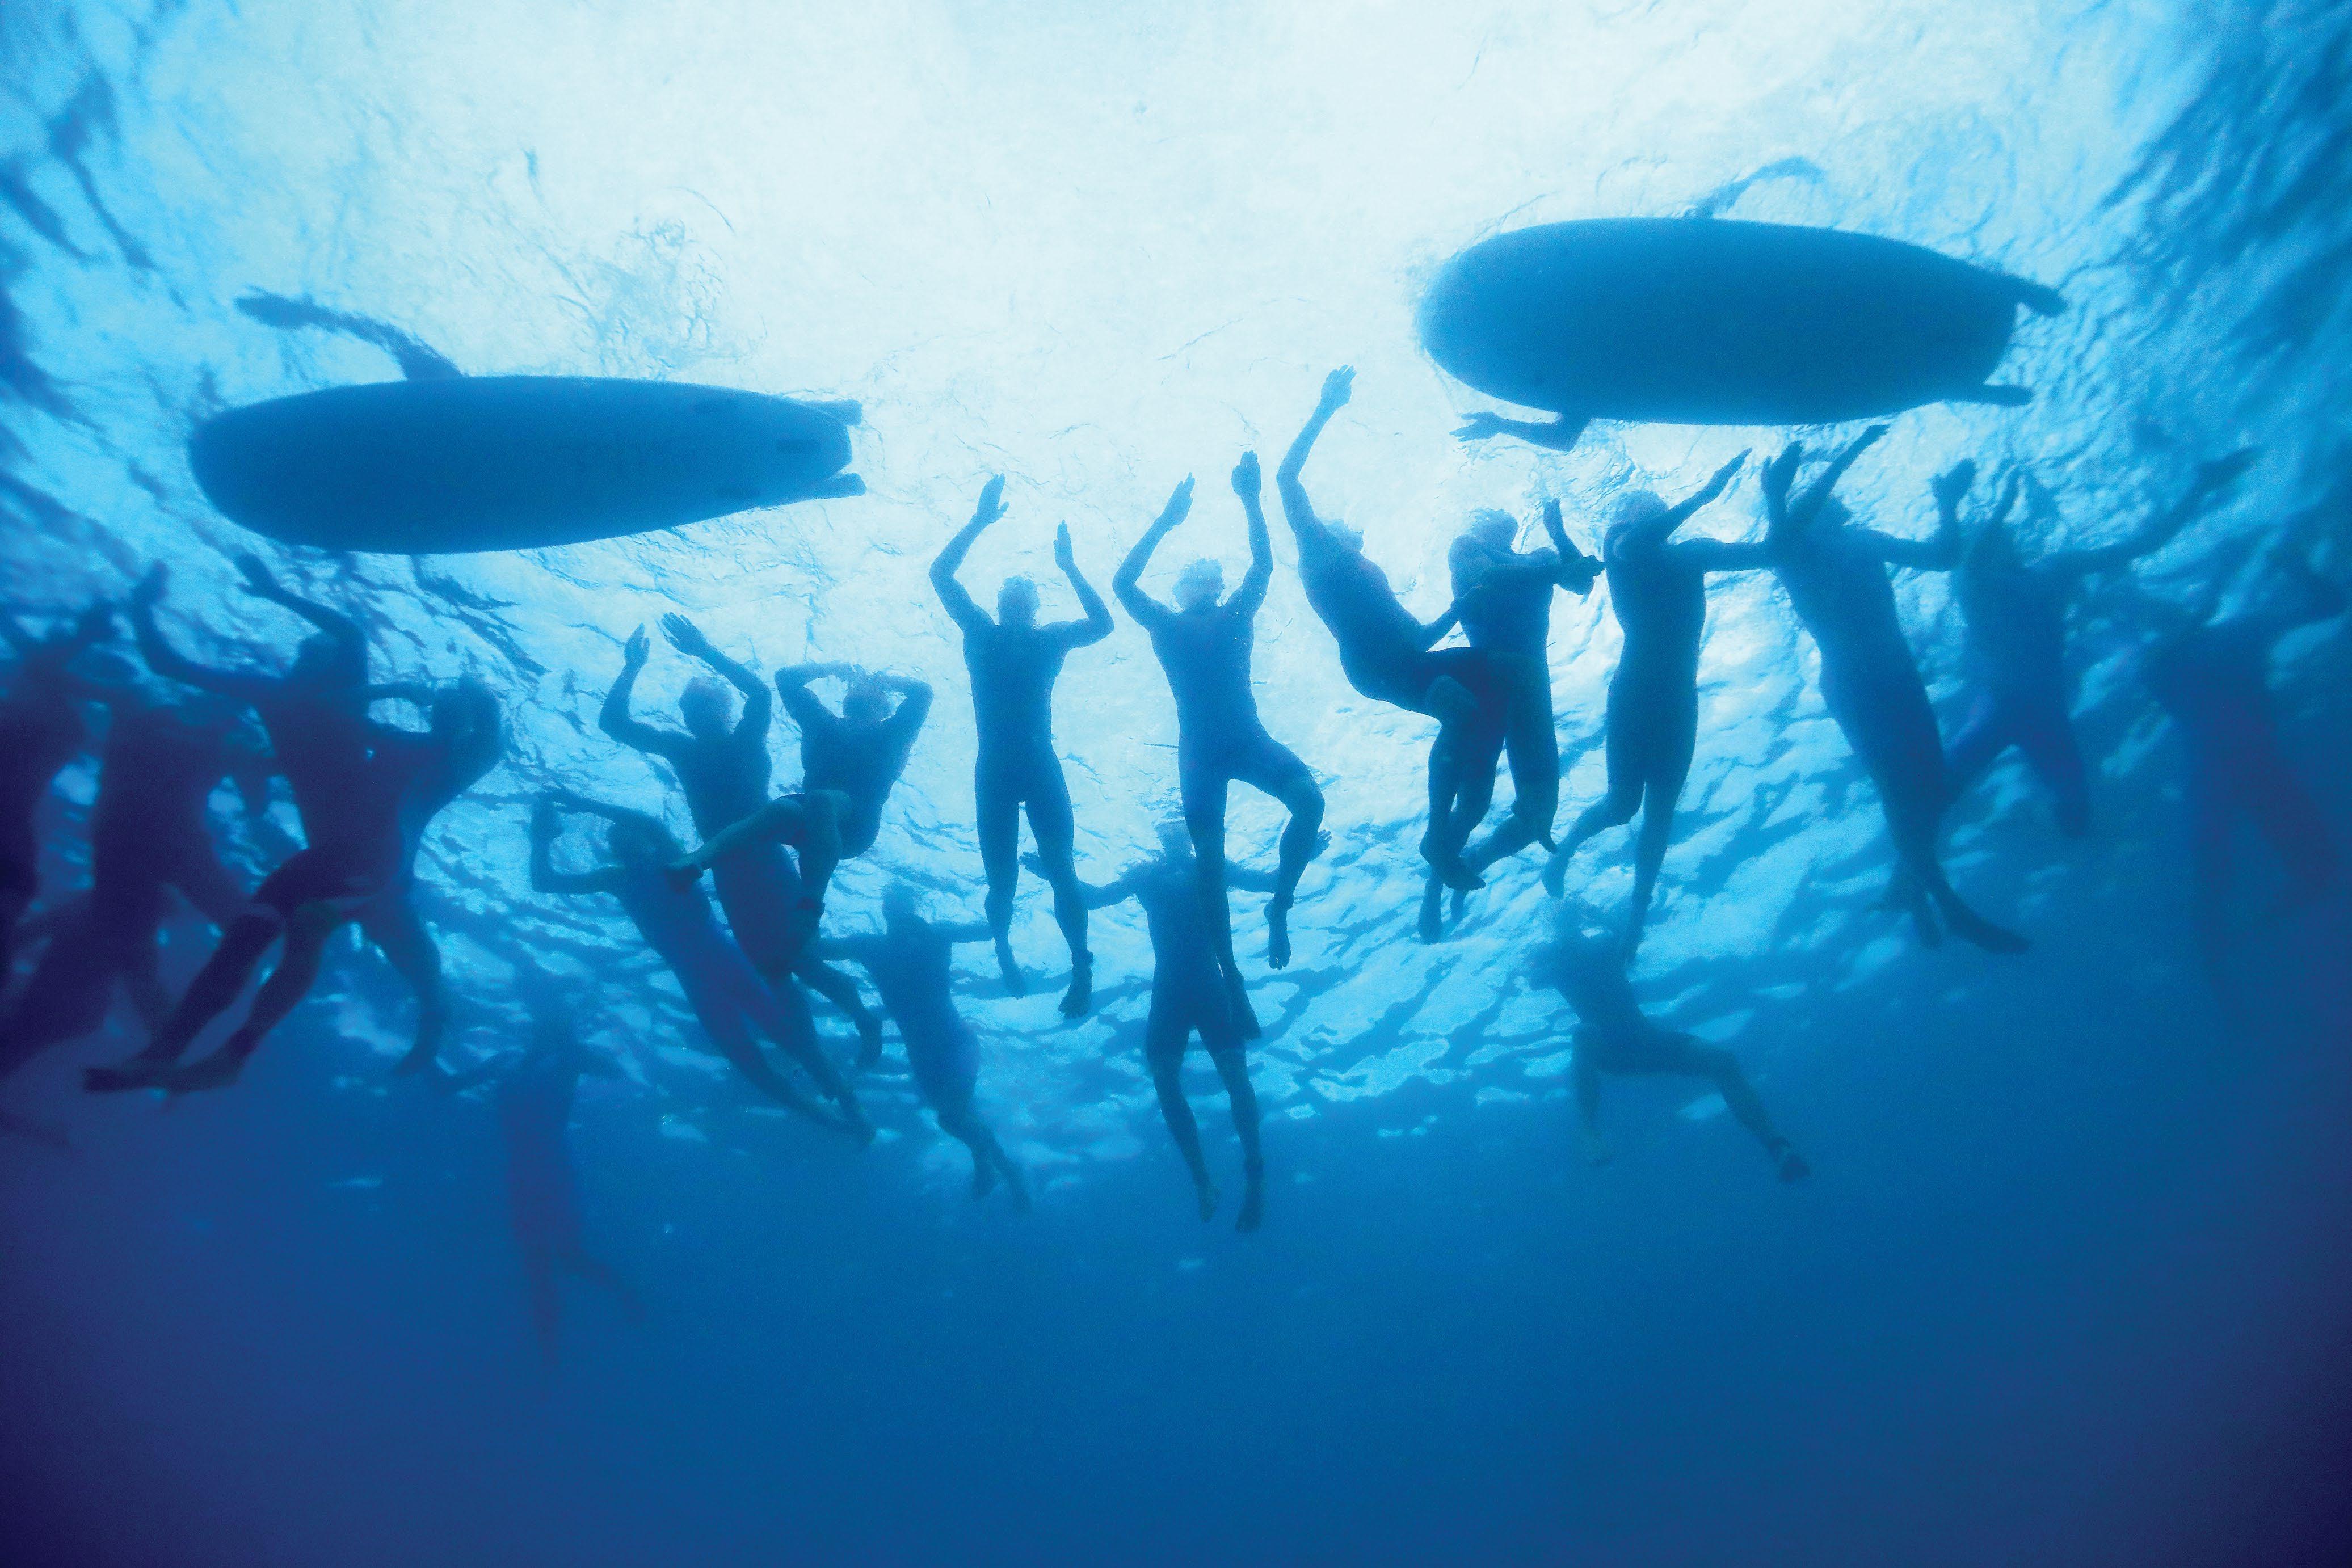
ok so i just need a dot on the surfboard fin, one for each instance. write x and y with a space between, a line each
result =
848 411
2040 300
838 487
2001 397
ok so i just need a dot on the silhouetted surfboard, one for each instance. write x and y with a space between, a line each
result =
485 463
1713 321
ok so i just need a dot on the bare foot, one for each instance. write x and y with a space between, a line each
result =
1277 934
1791 1163
1252 1213
217 1071
1208 1196
1081 994
1016 984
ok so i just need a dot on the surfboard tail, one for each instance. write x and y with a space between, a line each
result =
839 487
1999 397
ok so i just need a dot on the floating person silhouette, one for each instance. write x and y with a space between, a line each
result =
1188 996
41 729
860 752
724 771
2214 680
912 961
1657 587
726 995
1585 964
1388 655
1836 573
532 1092
2015 613
1013 663
148 836
1203 646
358 866
1504 597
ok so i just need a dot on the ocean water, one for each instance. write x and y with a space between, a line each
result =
2068 1285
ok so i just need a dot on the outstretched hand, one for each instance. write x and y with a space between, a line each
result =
1781 472
1180 504
1246 480
1956 482
639 645
991 502
1864 442
1338 387
1721 479
685 636
1064 556
1479 427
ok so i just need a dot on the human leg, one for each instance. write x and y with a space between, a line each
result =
1274 769
1167 1031
1232 1066
392 924
1050 824
996 797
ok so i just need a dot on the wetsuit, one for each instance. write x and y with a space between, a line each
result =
2015 616
1835 575
911 964
41 730
2214 681
1614 1037
1188 996
148 836
1657 588
861 761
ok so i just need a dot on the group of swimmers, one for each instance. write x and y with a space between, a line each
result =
365 790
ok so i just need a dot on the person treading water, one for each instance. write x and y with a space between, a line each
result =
1503 595
1387 653
724 771
2014 612
148 836
911 962
1834 570
41 729
1658 589
849 763
1013 663
2214 679
727 996
1203 646
1188 996
316 718
532 1092
358 866
1584 964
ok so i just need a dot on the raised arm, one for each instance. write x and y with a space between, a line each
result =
1789 517
1096 625
1249 879
1128 581
546 827
959 605
1297 509
2159 530
914 707
1941 550
1571 567
1260 575
169 662
1559 435
758 703
614 718
793 686
262 584
963 931
858 949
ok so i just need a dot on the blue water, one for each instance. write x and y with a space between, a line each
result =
2068 1285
